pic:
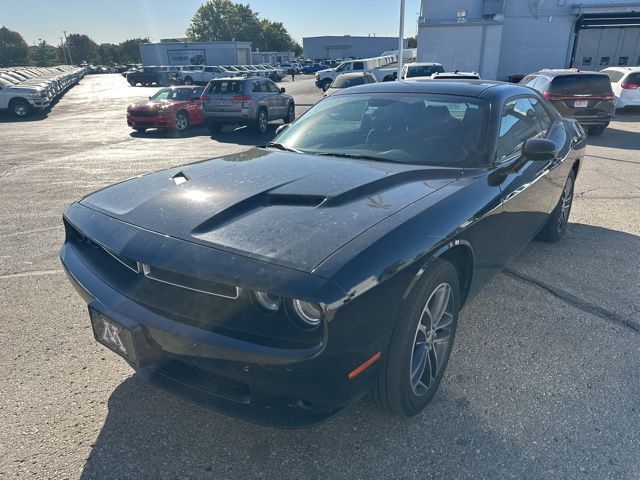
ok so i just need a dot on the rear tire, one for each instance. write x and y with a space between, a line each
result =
20 108
262 121
188 81
421 343
214 127
556 226
291 113
326 84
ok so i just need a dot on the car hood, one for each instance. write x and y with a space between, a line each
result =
150 105
291 209
326 70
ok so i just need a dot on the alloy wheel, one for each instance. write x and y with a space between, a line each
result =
431 339
20 110
181 122
565 205
262 121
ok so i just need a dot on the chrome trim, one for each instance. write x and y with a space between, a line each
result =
146 270
115 256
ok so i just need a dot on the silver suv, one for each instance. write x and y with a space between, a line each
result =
247 101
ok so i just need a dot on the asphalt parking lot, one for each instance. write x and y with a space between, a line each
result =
543 382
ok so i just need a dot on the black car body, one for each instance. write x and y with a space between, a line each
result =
584 96
161 76
176 260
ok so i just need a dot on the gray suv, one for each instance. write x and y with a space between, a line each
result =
247 101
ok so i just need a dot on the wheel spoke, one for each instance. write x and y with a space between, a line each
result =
433 361
440 303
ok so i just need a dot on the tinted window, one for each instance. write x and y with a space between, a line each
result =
518 124
225 87
346 82
256 87
358 65
581 85
544 121
405 128
272 87
614 75
197 92
424 71
634 78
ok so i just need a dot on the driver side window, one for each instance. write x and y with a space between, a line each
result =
518 124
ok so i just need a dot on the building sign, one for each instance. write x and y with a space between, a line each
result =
187 57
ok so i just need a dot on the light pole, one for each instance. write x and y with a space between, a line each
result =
68 49
401 47
64 53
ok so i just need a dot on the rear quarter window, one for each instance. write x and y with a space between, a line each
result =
226 87
634 78
581 85
614 75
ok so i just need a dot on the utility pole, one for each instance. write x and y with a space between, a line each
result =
64 54
68 49
401 47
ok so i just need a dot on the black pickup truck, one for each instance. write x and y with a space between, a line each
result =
145 76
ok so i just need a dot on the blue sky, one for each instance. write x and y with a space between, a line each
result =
116 20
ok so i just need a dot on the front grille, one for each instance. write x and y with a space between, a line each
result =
144 113
204 380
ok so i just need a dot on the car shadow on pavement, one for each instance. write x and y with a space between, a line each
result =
164 134
507 408
245 135
8 117
616 138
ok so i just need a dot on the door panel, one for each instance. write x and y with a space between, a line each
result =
530 189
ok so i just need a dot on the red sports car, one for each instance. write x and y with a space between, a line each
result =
174 107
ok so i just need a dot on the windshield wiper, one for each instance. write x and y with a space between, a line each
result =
280 146
355 156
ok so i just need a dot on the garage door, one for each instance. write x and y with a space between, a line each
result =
607 41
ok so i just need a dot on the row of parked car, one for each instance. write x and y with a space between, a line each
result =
25 90
198 74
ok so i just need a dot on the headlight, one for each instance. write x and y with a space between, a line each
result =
309 313
269 302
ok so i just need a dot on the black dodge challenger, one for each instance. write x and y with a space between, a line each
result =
281 284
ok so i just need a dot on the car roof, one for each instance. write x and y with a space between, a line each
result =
490 89
423 64
621 69
559 72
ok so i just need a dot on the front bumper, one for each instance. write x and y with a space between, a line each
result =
272 384
39 103
160 121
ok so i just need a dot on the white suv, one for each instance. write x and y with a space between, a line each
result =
625 82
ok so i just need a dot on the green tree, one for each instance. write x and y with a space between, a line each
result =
412 42
43 54
108 53
223 21
276 38
13 49
129 50
82 48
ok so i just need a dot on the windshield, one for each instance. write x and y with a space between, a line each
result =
581 85
418 129
424 70
346 82
173 94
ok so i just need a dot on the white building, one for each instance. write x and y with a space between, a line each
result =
321 48
500 38
196 53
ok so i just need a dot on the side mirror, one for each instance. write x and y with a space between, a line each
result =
282 90
282 128
540 149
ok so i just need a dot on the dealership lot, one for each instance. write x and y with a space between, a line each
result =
543 382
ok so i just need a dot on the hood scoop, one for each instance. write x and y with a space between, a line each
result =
180 178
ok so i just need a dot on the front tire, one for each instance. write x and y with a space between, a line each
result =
556 226
21 108
182 121
421 343
326 84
